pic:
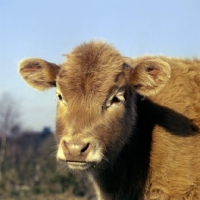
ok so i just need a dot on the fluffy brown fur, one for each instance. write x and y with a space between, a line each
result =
133 124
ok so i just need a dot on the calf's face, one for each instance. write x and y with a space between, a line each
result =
96 90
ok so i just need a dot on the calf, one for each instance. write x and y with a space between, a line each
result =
132 124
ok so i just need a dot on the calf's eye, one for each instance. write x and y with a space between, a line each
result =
59 96
115 100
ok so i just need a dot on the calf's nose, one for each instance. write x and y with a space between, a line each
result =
75 149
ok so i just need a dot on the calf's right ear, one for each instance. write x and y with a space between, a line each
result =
38 73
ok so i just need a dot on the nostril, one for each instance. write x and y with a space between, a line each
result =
65 144
85 148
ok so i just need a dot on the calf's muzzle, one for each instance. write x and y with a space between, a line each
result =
76 151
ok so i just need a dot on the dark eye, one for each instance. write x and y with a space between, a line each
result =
115 100
59 96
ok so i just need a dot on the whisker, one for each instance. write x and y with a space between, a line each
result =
53 155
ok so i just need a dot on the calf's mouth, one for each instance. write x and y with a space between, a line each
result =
80 165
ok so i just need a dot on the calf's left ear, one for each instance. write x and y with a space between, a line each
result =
38 73
149 76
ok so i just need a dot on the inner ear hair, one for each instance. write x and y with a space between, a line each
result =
149 76
38 73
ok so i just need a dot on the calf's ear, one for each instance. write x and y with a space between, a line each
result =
149 76
38 73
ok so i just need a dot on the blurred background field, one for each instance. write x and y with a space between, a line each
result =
28 167
28 170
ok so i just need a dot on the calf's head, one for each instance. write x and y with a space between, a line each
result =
96 89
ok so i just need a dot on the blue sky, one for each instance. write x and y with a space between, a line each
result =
49 29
